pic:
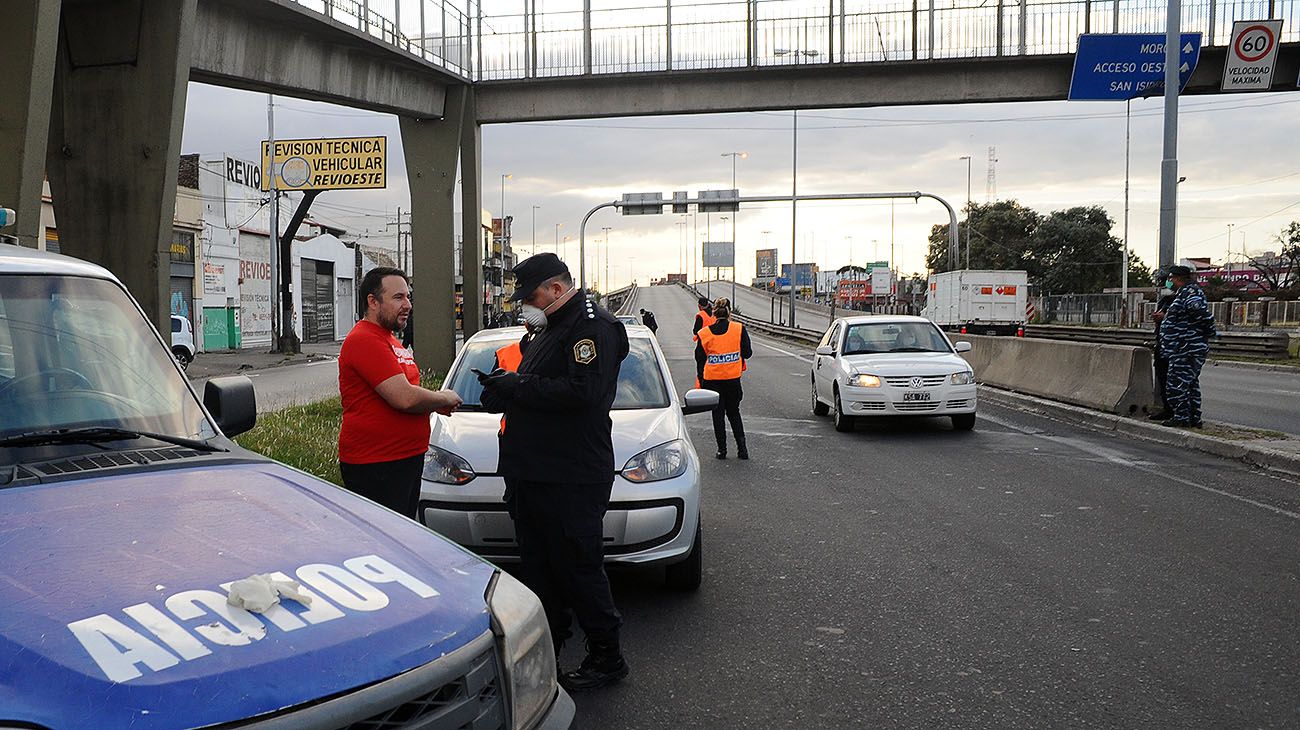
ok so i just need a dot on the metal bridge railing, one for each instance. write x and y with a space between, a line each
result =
433 30
511 39
618 36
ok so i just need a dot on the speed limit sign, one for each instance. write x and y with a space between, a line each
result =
1251 55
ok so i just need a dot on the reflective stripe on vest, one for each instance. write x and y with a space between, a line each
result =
509 357
708 320
722 359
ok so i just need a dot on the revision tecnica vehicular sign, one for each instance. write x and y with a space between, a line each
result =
353 163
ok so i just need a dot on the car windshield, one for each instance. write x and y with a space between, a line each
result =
875 338
75 353
640 381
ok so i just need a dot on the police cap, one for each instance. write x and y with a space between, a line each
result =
533 271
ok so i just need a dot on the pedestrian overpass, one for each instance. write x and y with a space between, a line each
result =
95 90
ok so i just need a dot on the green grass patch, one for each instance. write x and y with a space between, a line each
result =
307 437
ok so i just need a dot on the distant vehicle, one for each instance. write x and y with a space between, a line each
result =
654 509
182 341
132 619
978 302
628 318
873 366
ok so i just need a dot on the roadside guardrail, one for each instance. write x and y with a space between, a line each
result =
1266 345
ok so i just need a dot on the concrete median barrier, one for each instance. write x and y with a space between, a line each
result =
1111 378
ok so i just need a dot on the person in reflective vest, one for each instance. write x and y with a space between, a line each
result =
703 318
720 360
509 357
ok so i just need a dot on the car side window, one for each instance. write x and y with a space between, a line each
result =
832 338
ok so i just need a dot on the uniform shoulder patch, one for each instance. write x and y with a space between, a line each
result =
584 351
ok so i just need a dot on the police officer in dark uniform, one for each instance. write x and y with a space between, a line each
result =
557 458
1164 297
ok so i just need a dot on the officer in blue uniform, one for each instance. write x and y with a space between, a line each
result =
557 458
1184 336
1164 297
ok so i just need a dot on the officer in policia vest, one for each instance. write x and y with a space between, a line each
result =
720 357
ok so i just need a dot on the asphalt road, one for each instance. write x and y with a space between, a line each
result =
290 385
1229 394
1026 574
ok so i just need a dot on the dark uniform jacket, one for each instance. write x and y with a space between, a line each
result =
557 424
1188 324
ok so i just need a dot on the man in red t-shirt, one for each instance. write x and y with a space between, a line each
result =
385 430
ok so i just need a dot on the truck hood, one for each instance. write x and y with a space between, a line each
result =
113 615
472 435
906 363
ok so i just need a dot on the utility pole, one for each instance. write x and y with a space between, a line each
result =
606 229
794 203
534 246
968 209
1169 161
273 236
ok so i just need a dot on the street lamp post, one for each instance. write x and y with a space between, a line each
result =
557 238
733 156
506 176
534 248
606 230
968 208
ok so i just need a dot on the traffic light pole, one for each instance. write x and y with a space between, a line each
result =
651 204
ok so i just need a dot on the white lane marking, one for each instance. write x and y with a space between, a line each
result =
1092 448
783 352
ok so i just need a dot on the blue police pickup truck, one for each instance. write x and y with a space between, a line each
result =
126 513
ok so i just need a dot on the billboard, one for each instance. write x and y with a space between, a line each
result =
853 291
720 254
765 263
353 163
882 281
804 274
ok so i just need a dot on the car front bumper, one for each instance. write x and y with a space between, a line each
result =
945 400
646 524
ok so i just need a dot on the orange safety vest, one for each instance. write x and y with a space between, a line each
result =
509 357
722 360
708 320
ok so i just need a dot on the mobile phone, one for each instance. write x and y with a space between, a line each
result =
478 372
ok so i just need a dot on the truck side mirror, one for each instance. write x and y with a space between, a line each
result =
232 402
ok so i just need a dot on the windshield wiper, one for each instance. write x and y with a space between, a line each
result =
912 349
97 434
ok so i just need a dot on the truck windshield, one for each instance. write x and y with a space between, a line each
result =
894 337
76 353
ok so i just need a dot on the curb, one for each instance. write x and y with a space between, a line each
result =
1258 456
239 370
1265 367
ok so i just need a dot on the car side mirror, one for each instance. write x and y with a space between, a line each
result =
826 350
698 400
232 402
962 346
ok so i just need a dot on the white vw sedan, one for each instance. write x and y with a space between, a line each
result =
654 509
891 366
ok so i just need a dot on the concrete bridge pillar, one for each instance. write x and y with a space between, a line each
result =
115 131
432 148
29 37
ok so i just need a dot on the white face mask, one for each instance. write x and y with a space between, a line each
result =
535 317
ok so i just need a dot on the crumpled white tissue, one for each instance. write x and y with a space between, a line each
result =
258 593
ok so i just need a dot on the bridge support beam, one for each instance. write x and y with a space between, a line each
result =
29 38
115 134
432 148
471 203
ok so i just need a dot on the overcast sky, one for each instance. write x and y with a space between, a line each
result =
1237 152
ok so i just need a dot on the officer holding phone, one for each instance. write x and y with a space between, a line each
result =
557 458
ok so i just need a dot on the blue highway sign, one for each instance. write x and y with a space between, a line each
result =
1119 66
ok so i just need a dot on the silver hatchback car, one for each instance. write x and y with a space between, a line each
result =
654 509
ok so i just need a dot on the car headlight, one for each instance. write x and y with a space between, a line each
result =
965 377
664 461
526 649
444 467
862 380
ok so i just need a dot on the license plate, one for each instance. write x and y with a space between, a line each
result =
917 395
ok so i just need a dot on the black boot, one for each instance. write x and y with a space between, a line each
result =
722 454
742 451
603 666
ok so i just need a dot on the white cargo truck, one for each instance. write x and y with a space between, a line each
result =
978 302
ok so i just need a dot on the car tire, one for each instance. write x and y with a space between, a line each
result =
963 422
843 423
818 408
183 357
688 574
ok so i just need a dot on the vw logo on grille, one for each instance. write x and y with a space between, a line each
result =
916 382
